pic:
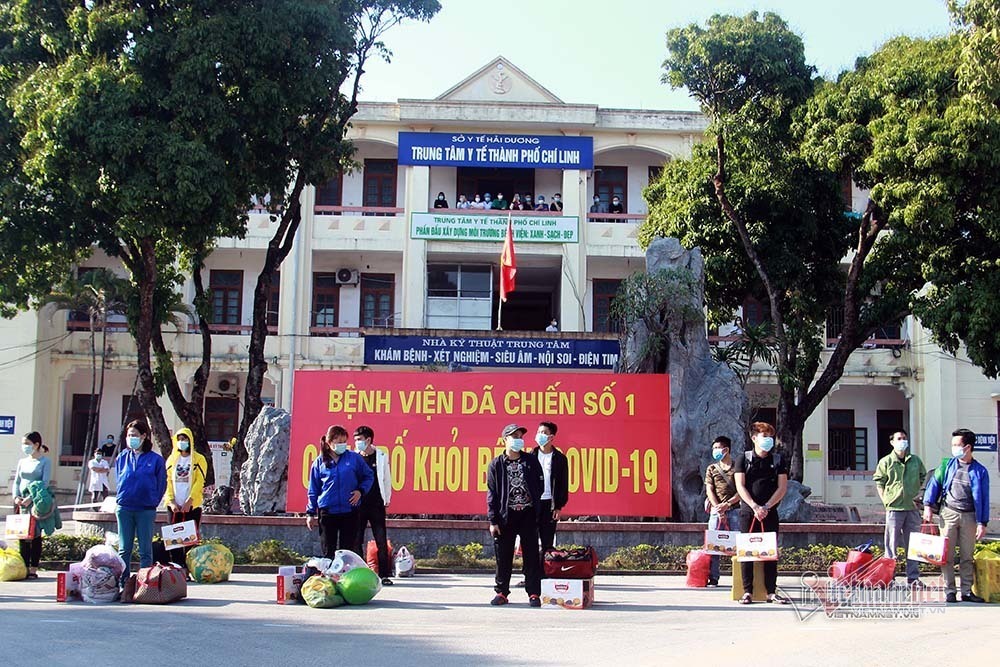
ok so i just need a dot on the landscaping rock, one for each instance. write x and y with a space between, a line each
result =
264 475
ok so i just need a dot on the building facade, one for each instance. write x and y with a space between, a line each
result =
374 255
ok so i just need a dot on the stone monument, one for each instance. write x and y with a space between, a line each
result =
264 475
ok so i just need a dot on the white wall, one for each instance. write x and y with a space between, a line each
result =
353 194
547 183
18 389
866 401
350 295
443 179
638 161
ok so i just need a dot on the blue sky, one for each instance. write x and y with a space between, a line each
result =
610 53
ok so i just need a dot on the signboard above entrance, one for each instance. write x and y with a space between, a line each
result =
590 354
474 149
487 227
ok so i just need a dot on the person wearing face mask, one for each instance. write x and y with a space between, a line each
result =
529 205
616 205
142 481
555 488
598 206
557 204
477 203
500 204
516 204
541 205
514 487
961 486
375 502
463 203
720 487
899 477
441 201
186 471
487 200
761 476
338 479
97 484
34 467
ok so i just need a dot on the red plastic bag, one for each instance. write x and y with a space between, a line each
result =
699 565
856 560
877 573
371 554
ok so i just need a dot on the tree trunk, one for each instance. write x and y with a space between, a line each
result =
144 263
789 432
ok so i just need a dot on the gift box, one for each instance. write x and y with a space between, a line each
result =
68 583
19 527
721 542
928 548
288 588
567 593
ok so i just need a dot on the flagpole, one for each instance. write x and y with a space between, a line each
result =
499 312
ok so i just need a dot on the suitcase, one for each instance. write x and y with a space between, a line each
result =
580 563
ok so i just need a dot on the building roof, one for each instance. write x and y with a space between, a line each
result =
499 81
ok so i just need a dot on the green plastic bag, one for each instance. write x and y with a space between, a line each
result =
359 586
11 566
320 592
210 563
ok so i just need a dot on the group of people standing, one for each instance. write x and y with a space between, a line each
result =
501 203
743 493
349 490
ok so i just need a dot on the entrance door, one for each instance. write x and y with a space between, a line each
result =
480 180
888 422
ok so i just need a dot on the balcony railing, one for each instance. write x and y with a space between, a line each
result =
870 344
381 211
616 217
230 329
84 325
342 332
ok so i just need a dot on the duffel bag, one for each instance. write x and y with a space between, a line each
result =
160 584
579 563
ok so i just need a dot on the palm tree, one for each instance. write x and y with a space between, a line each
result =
96 294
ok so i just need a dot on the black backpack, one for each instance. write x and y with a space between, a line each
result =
775 460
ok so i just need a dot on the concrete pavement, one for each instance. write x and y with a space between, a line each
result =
446 619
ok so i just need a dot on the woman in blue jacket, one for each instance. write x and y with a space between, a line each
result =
142 480
337 481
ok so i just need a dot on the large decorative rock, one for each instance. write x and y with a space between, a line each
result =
706 399
264 475
793 508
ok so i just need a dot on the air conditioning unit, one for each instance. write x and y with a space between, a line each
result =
348 276
228 384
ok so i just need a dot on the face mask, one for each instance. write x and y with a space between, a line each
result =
360 445
27 449
340 448
98 457
900 445
766 444
557 199
957 452
542 439
440 196
597 199
516 444
615 202
183 445
718 454
134 442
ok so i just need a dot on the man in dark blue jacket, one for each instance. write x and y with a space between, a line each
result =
963 492
514 485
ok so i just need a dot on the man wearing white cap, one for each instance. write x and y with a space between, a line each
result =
514 486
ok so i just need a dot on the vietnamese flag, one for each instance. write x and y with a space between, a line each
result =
508 262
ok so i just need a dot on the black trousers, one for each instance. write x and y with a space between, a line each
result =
374 515
193 514
339 531
31 551
547 526
523 523
771 525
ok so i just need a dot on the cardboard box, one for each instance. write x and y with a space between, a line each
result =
288 588
67 586
567 593
759 589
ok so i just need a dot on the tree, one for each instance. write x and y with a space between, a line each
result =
771 223
316 149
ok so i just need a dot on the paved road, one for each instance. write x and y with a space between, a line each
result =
444 620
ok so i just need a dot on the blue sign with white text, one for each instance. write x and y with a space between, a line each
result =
474 149
985 442
492 352
6 426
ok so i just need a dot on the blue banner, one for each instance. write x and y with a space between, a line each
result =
473 149
6 426
985 442
491 352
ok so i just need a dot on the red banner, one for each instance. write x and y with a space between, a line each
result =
441 431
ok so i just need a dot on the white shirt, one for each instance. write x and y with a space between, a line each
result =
182 479
546 461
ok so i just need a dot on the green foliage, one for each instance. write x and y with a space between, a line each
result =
272 552
753 343
453 555
993 547
69 548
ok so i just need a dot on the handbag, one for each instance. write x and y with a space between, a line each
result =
20 527
579 563
722 541
929 547
751 546
160 584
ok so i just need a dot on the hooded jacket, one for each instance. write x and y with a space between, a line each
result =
199 468
43 508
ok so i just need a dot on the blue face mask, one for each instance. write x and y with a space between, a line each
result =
718 454
516 444
134 442
27 449
766 444
542 439
183 445
340 448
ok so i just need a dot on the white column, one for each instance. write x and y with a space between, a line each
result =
573 286
415 250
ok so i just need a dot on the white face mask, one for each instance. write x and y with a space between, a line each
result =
957 452
900 445
360 444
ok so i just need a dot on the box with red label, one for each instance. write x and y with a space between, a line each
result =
567 593
288 588
68 583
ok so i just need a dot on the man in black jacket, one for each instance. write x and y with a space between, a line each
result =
514 486
555 492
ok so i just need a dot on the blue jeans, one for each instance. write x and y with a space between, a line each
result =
733 517
134 525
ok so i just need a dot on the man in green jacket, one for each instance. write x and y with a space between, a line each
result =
899 478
